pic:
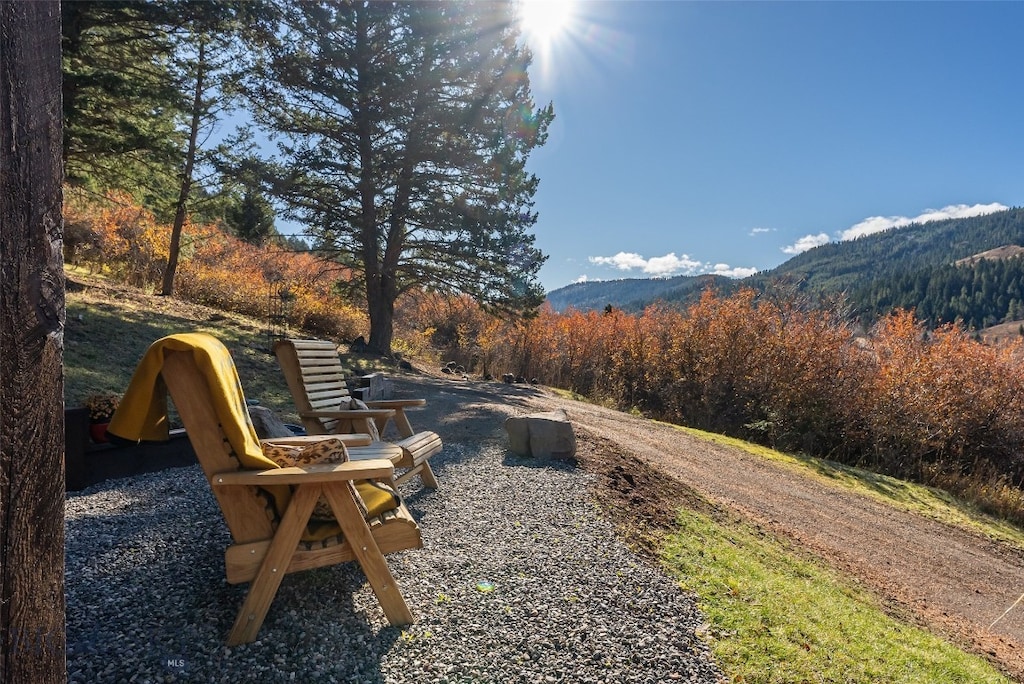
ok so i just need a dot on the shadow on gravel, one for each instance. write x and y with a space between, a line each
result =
146 598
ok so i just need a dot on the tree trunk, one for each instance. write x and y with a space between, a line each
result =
381 311
380 308
186 176
32 641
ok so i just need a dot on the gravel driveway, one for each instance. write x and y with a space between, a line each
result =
954 582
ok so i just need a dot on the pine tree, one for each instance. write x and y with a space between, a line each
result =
251 218
122 109
403 131
205 43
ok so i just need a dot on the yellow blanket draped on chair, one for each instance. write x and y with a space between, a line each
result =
142 414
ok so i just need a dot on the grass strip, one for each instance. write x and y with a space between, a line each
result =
777 617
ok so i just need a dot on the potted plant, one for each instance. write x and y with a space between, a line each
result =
101 409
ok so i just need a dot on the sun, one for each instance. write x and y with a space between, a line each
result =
544 21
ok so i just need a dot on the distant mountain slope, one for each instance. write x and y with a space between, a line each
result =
999 253
629 294
843 266
875 270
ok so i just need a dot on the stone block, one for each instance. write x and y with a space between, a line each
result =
371 387
547 434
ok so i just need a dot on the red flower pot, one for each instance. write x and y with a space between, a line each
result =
98 432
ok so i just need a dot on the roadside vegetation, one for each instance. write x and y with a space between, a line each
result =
777 616
935 407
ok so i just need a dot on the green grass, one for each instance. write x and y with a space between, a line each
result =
778 617
775 615
109 327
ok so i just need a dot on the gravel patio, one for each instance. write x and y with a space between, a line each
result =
519 580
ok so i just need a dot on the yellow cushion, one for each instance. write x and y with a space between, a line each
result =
377 498
372 498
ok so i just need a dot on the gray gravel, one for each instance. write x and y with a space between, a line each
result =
519 580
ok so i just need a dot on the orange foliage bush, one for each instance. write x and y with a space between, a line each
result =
450 327
115 235
943 409
944 404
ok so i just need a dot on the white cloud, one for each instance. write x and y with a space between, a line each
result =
624 261
582 279
876 224
757 231
733 272
807 242
668 265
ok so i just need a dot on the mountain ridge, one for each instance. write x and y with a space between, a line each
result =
880 261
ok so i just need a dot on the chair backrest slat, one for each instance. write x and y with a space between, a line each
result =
316 380
244 509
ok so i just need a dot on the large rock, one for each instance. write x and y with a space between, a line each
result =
541 434
267 423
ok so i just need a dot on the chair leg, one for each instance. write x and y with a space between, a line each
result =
371 560
424 471
264 586
427 475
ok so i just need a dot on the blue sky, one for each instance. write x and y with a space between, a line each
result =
697 137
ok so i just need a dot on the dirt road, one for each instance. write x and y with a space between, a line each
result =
954 582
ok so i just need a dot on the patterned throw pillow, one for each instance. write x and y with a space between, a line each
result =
324 451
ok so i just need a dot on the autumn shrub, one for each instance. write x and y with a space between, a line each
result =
232 274
113 235
623 360
774 372
707 363
800 373
225 273
581 353
943 403
445 328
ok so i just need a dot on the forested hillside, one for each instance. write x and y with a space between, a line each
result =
845 266
979 293
945 270
629 294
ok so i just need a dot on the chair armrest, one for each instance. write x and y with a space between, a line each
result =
401 420
349 440
356 413
368 469
397 404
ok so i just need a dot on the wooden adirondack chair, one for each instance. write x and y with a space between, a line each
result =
316 380
267 545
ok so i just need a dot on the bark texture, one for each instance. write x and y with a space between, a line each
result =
32 641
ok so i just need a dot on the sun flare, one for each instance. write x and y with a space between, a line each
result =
544 21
